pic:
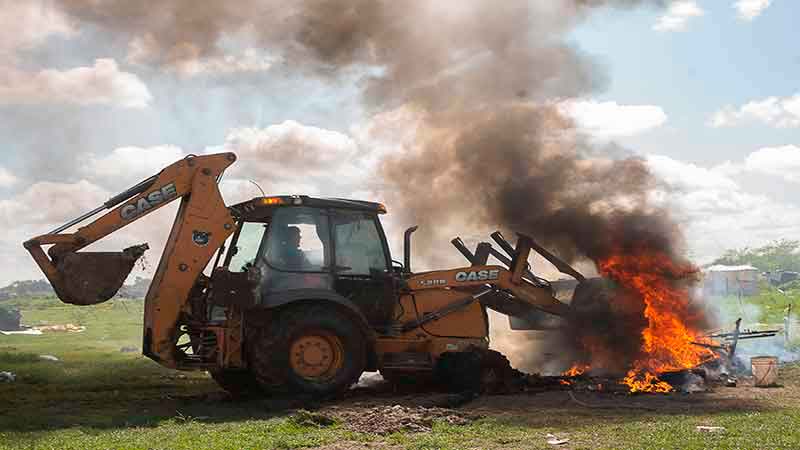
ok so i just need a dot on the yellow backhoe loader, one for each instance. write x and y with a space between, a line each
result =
302 294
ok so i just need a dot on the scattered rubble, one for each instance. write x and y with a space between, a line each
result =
128 349
28 332
552 439
38 330
391 419
7 377
709 429
67 327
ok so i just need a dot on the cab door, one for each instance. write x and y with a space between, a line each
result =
362 265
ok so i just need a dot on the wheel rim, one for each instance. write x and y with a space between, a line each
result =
317 355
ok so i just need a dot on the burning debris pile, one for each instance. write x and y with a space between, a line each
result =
650 307
669 341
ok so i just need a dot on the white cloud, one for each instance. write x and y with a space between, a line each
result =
292 158
677 16
716 212
773 111
611 120
102 83
7 179
750 9
687 175
49 203
26 24
290 150
128 165
782 162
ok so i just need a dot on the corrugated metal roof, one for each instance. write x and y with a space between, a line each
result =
724 268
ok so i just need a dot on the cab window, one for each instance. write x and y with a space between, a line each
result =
359 248
298 240
246 248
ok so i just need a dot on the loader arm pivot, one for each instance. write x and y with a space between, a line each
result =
202 224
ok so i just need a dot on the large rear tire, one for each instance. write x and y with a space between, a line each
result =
311 349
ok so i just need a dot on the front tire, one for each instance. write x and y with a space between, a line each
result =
309 349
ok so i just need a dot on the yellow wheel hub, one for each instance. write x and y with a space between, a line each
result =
316 356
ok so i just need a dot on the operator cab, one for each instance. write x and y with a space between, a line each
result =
291 247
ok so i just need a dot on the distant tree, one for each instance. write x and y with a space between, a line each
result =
26 288
783 254
137 290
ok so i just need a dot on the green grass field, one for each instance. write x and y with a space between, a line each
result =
97 397
768 307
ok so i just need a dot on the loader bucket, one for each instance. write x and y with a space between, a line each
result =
89 278
593 298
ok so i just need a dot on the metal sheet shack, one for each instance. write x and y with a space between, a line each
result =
730 280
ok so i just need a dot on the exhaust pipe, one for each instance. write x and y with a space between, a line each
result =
407 248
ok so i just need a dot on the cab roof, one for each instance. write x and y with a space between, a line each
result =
277 201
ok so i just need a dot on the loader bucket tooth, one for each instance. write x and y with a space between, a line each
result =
89 278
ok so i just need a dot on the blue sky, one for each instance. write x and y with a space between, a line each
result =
85 111
718 59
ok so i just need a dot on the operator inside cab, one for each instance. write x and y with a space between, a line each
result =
288 252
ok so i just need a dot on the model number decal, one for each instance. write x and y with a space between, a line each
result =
480 275
438 282
150 200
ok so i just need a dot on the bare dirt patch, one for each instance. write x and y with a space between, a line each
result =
391 419
381 411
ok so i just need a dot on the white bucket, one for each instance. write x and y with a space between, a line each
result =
765 370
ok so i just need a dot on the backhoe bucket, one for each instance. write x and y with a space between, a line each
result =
89 278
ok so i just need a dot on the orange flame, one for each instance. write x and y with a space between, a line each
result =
645 382
667 341
575 370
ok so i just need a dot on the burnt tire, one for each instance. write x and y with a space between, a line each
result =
478 371
604 315
308 349
239 383
459 371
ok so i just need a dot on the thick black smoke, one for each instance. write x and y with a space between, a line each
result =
482 76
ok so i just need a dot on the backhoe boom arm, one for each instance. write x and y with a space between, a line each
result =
202 224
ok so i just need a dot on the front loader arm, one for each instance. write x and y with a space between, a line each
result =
496 278
515 283
201 226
